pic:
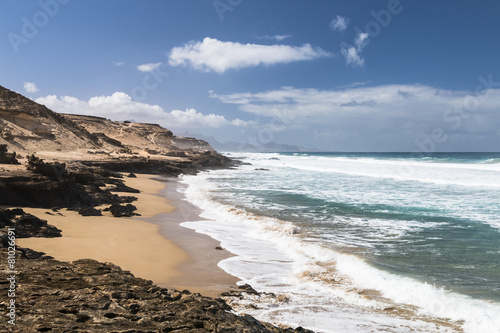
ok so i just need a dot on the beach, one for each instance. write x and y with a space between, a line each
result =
152 246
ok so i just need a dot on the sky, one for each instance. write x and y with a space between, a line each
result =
396 75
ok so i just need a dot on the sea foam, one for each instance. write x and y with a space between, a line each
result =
273 256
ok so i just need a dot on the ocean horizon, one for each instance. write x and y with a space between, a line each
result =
351 242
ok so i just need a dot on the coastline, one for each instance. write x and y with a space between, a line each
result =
200 273
152 246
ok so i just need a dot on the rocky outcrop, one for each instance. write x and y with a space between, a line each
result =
191 144
26 225
7 158
89 296
72 187
151 138
118 210
54 171
89 211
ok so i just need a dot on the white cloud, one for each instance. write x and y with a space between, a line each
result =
190 118
352 54
340 23
218 56
118 63
388 117
279 38
149 67
120 106
30 87
417 103
361 41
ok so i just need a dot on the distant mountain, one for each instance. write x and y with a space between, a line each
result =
270 147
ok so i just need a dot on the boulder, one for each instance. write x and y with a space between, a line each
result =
118 210
89 211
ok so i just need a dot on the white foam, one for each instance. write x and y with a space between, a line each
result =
478 174
341 179
272 257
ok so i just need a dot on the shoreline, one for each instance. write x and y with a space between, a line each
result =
200 273
152 246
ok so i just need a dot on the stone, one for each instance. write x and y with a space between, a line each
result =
89 211
83 296
118 210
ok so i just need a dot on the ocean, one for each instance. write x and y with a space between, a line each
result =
360 242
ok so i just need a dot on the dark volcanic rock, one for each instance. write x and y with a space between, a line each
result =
210 159
77 186
89 296
89 211
55 170
7 158
27 225
118 210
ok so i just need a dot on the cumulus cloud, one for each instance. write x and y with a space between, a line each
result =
218 56
339 23
149 67
30 87
120 106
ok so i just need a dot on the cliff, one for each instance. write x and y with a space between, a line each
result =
136 137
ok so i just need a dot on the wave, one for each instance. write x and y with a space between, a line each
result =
275 256
485 175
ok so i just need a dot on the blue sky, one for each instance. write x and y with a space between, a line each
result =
334 75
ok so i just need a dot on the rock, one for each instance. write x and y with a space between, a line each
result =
55 170
5 157
120 187
131 175
27 225
118 210
80 186
89 211
79 297
248 289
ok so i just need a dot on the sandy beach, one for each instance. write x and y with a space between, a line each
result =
152 246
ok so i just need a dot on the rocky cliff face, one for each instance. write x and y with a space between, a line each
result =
124 134
191 143
136 136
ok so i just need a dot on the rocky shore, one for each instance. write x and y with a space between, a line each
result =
89 296
54 161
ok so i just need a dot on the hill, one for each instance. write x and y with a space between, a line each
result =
29 127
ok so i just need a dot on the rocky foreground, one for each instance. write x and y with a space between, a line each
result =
89 296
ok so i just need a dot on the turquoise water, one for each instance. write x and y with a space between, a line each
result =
434 220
